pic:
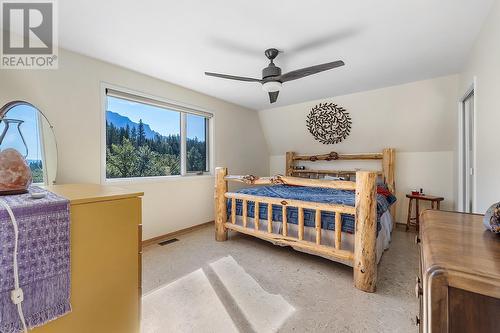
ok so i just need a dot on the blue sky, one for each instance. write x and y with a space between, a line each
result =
29 129
160 120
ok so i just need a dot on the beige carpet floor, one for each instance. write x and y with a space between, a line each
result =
249 285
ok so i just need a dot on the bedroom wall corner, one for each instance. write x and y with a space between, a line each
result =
483 64
417 118
71 98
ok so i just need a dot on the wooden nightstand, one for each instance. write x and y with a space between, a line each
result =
435 204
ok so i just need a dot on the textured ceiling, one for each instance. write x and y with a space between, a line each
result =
382 42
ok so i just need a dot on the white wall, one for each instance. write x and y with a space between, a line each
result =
484 64
70 97
418 119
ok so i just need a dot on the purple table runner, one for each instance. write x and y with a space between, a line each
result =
43 259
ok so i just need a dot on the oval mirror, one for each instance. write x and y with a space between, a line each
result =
25 128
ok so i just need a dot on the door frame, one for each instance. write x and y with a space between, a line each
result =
460 174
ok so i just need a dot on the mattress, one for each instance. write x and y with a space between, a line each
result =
311 194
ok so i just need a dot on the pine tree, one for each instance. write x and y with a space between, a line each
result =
130 154
122 162
133 136
141 134
127 132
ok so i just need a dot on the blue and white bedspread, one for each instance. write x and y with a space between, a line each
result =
313 194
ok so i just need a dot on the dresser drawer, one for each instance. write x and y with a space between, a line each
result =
471 312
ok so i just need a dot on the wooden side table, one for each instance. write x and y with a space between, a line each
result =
435 204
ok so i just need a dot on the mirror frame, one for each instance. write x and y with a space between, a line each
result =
6 108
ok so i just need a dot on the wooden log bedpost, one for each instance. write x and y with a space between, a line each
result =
289 163
388 170
220 204
365 234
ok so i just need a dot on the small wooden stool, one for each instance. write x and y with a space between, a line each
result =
435 204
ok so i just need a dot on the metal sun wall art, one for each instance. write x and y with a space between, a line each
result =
329 123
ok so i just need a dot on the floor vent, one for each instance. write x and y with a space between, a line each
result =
168 241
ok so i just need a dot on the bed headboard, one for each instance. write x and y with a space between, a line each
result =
387 157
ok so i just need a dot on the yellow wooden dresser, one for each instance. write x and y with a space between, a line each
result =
105 260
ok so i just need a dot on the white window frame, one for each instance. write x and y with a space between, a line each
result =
183 109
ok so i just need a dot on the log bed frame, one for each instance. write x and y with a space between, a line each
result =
363 258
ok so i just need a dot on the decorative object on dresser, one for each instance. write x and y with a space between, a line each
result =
329 123
459 282
15 174
415 221
492 218
315 216
26 129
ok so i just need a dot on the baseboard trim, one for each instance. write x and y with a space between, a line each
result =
158 239
170 235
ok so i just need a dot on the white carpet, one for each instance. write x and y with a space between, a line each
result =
264 312
249 285
188 304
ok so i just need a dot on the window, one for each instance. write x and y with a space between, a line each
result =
196 143
151 138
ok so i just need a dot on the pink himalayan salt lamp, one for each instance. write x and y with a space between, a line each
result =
15 174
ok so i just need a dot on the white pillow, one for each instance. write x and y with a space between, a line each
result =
327 177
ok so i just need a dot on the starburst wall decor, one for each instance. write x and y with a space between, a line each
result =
329 123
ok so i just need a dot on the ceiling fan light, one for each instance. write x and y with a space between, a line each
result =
271 86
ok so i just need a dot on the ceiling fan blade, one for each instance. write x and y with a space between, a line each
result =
273 96
232 77
300 73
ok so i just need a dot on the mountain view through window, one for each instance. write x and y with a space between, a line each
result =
143 140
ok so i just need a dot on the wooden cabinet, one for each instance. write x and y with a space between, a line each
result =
459 285
105 260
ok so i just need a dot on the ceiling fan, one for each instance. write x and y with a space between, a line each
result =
272 79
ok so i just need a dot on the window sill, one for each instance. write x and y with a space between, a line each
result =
160 179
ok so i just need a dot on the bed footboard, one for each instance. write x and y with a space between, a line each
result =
362 259
365 233
220 204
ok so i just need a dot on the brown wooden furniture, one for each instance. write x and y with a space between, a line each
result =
105 260
388 158
459 285
435 204
362 259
